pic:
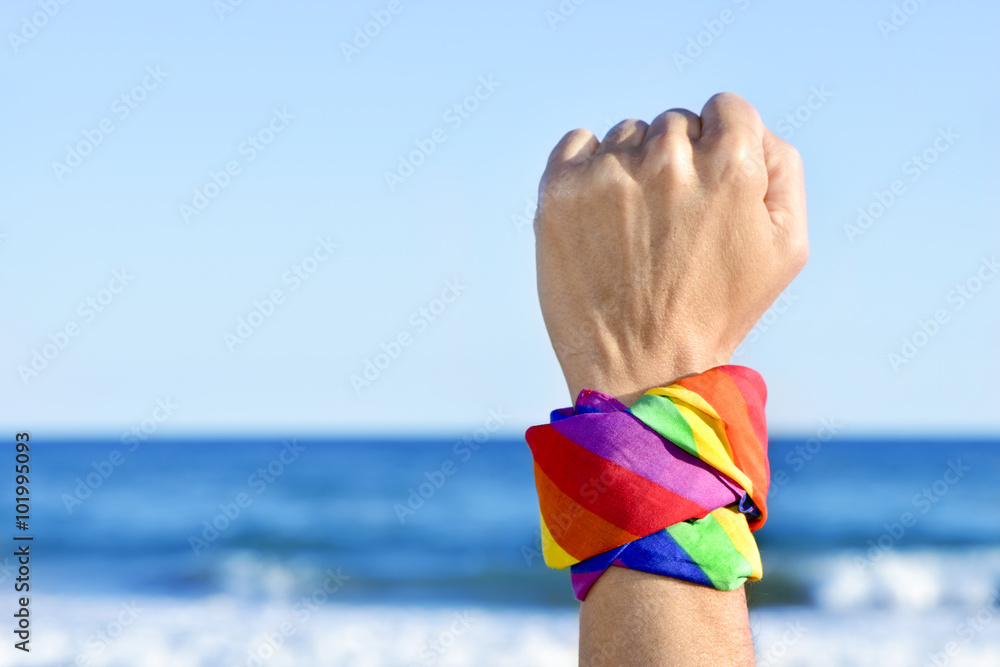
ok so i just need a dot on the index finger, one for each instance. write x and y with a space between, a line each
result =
729 114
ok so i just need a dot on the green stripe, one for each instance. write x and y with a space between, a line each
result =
660 414
708 545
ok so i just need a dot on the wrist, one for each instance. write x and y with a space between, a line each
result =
627 383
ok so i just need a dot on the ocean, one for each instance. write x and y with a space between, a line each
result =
311 551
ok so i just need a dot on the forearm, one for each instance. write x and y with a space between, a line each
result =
663 244
632 617
637 618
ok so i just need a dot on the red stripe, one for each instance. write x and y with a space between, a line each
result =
623 498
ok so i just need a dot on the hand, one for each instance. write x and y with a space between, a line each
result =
659 248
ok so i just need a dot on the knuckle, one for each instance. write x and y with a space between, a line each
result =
671 154
726 97
676 115
736 160
626 124
572 135
623 130
733 104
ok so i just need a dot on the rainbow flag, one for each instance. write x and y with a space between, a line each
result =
672 485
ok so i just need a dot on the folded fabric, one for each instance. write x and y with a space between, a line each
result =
672 485
716 551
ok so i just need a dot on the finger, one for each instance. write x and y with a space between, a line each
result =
575 147
680 121
786 191
626 135
729 114
670 139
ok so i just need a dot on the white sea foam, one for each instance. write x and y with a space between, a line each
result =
907 609
908 581
224 631
807 637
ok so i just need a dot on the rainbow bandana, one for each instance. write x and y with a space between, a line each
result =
673 485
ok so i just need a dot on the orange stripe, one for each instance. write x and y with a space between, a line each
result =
720 390
592 535
754 392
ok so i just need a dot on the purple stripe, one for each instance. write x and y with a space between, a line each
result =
583 582
622 439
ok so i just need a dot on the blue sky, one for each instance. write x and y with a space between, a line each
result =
280 139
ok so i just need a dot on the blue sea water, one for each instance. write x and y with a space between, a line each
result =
898 534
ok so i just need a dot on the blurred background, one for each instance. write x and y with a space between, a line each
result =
272 323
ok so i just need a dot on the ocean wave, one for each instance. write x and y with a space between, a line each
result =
855 580
226 631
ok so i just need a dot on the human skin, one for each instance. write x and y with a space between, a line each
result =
658 249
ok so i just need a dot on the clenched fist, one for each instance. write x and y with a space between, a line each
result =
660 247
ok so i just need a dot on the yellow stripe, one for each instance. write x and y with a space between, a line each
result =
555 556
735 525
687 396
709 432
713 449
